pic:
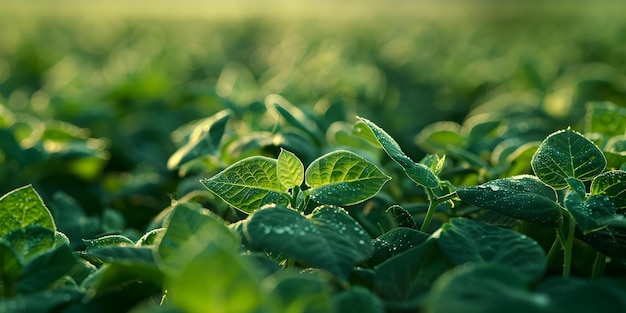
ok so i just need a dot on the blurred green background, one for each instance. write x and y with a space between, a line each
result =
91 91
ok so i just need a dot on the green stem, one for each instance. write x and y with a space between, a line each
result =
555 247
295 191
433 202
598 265
569 244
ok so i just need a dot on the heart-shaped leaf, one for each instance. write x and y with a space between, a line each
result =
343 178
23 207
524 197
290 170
469 241
613 185
565 154
328 238
248 184
591 214
419 173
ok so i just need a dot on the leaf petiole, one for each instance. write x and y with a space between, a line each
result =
433 203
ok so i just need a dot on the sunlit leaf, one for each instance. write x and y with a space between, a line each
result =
248 184
23 207
203 138
605 118
565 154
190 232
108 241
217 280
343 178
613 185
417 172
290 170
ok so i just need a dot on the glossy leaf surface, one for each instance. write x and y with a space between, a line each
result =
419 173
248 184
467 241
328 238
524 197
565 154
343 178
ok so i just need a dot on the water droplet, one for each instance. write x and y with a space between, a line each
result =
494 188
361 242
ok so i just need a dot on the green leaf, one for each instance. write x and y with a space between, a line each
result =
434 162
605 118
302 292
524 197
402 217
343 178
23 207
108 241
577 186
112 276
150 238
328 238
189 232
565 154
30 241
469 241
218 280
45 269
410 274
610 240
116 254
582 295
248 184
10 269
294 116
358 300
394 242
419 173
484 289
54 300
592 213
440 136
290 170
613 185
202 138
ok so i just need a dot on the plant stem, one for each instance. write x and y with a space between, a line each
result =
598 265
567 248
295 191
555 247
433 202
